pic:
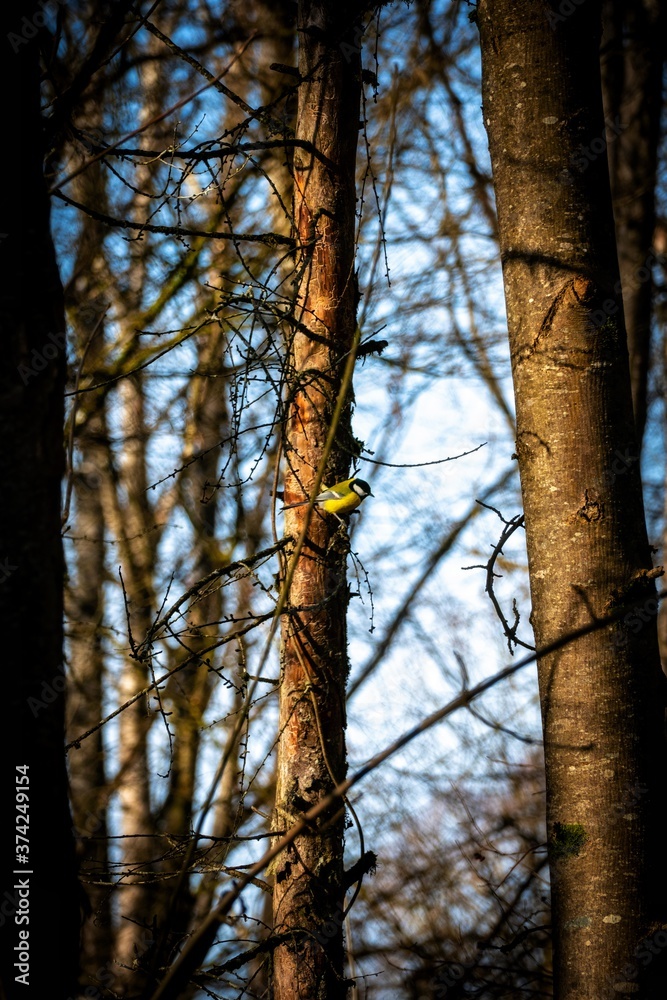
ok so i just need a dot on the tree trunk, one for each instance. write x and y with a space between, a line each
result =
308 894
602 704
84 599
632 59
138 536
85 609
40 904
136 931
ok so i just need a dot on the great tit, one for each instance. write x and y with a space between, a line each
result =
342 498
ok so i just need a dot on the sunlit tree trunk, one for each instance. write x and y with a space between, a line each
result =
602 705
86 304
136 933
133 517
308 894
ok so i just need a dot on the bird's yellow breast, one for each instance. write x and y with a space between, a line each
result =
341 505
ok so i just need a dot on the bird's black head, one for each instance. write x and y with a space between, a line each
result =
361 488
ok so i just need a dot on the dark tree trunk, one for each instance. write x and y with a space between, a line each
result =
32 327
602 701
632 58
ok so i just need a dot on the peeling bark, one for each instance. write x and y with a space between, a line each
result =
308 893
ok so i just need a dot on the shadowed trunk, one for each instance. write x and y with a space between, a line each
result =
38 826
587 546
632 60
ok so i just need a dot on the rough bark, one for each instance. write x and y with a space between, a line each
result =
602 703
632 59
308 895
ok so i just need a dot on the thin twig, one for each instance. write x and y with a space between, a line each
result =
75 405
508 530
55 189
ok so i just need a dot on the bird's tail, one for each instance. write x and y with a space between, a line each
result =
299 503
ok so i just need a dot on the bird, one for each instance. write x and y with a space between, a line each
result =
342 498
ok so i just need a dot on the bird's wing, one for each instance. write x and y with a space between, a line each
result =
328 495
